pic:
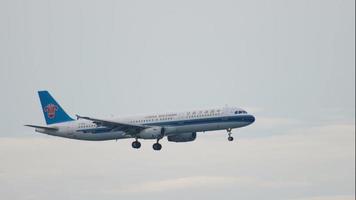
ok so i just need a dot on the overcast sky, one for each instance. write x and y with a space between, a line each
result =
290 63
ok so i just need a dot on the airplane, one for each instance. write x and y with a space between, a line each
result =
177 127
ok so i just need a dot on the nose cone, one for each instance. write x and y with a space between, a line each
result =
251 119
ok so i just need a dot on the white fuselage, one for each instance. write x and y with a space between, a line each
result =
174 123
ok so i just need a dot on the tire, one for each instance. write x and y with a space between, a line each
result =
136 144
157 146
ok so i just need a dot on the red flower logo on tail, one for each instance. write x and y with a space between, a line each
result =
51 109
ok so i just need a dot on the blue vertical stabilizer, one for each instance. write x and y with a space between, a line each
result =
52 111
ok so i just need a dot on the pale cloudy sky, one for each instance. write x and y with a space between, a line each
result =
290 63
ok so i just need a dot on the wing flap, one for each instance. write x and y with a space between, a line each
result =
131 129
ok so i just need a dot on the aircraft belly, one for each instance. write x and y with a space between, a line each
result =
208 127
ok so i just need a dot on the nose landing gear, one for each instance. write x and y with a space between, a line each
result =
229 138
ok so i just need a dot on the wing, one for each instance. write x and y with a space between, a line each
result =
130 129
43 127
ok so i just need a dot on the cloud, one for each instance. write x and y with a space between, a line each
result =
204 182
314 160
339 197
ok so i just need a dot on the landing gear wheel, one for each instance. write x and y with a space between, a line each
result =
157 146
136 144
230 138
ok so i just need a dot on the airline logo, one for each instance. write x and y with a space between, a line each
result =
51 110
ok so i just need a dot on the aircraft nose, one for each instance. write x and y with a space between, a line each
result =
251 119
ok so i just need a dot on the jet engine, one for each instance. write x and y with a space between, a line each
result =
183 137
152 133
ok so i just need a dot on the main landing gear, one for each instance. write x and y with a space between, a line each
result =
157 146
230 138
136 144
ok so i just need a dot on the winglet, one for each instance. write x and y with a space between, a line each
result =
82 117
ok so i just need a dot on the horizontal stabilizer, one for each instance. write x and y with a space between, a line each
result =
43 127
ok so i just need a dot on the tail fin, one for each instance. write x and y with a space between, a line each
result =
52 111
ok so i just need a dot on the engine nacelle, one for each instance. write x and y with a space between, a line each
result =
152 133
183 137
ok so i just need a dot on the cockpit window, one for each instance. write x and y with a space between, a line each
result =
240 112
